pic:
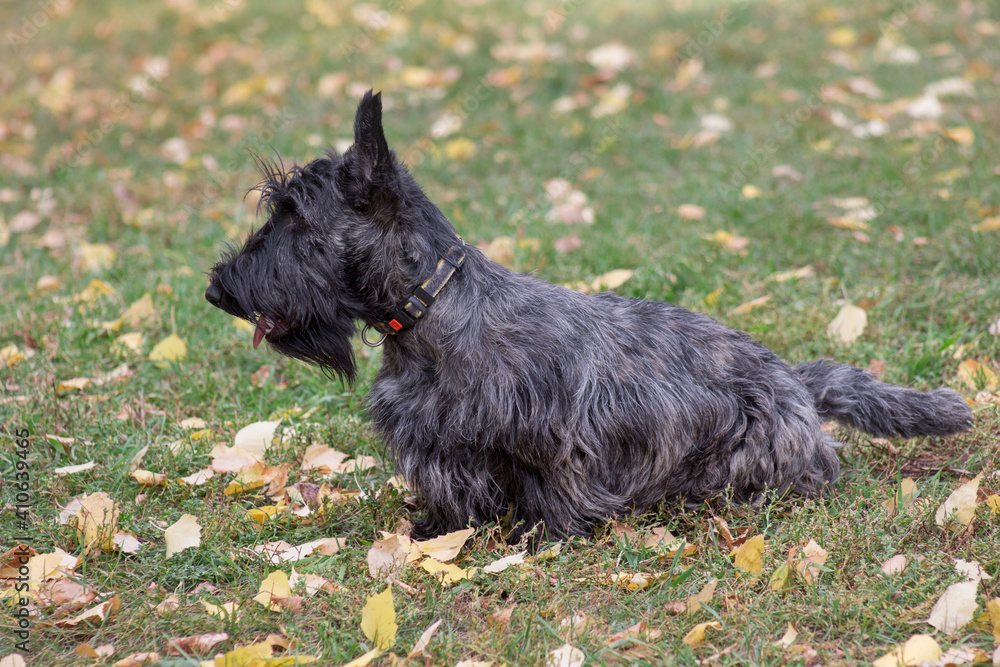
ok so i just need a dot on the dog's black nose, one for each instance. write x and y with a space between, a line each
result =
214 294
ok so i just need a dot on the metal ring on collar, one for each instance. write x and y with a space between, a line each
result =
364 337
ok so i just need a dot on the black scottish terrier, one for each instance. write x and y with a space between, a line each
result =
498 389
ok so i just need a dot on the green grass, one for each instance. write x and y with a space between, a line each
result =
88 156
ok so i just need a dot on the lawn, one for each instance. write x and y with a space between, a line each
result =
767 163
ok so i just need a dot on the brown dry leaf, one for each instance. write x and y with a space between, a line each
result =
65 592
894 565
97 521
501 617
696 636
748 555
788 638
955 608
848 325
961 504
447 573
690 212
425 639
388 555
195 644
138 659
87 651
171 603
808 560
917 649
640 630
95 615
183 534
446 547
321 459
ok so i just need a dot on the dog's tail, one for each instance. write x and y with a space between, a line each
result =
854 397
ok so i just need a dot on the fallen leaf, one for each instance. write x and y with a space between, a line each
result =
378 620
808 560
97 521
425 639
196 644
849 323
565 656
960 505
905 494
460 149
894 565
183 534
611 280
748 555
917 649
446 547
978 376
447 573
696 637
256 437
690 212
963 136
171 348
746 308
781 578
955 608
96 615
503 563
788 638
149 478
71 470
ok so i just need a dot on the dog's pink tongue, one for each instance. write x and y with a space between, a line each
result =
258 334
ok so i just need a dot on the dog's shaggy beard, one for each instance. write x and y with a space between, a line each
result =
319 329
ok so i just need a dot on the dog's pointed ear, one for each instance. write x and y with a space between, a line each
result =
374 159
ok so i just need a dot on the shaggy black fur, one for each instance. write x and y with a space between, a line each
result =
511 390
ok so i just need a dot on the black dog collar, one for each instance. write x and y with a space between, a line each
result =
412 309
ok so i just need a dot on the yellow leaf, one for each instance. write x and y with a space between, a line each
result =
95 256
447 573
241 91
503 563
961 135
745 308
255 654
993 502
416 77
378 620
274 585
365 659
229 610
131 341
955 608
696 637
704 596
978 376
424 640
324 12
446 547
780 578
74 384
460 149
636 581
95 290
848 222
184 533
149 478
97 521
905 494
917 649
849 323
788 638
993 609
843 37
961 504
751 192
611 280
171 348
991 224
11 356
748 555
